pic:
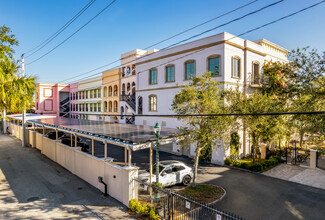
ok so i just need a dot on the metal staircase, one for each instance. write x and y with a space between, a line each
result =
65 108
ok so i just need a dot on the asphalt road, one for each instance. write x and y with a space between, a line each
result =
34 187
250 195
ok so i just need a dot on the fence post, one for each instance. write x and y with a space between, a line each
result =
317 158
168 205
295 150
172 206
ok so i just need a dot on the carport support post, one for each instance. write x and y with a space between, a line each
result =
92 146
75 140
56 134
105 149
43 130
130 157
71 139
125 156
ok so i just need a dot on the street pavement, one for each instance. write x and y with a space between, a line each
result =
34 187
250 195
299 174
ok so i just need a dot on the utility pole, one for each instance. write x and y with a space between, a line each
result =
24 111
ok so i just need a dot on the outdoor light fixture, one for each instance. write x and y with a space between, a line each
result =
157 130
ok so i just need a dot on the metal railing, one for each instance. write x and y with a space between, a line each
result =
170 205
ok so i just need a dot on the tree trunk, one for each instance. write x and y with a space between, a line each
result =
301 137
253 147
196 164
4 125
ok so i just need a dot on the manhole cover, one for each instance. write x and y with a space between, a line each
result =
32 199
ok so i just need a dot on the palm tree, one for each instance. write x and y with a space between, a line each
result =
16 92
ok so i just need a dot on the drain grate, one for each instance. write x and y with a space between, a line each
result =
32 199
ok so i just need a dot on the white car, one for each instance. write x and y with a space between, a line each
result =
171 172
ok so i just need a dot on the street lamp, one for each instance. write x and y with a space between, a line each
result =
157 130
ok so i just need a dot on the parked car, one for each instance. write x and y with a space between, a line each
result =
171 172
66 139
52 134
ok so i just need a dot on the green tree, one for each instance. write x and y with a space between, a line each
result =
300 84
258 127
202 96
7 40
16 93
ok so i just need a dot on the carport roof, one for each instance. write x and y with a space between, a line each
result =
133 134
29 116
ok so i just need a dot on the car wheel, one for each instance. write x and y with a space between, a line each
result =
187 180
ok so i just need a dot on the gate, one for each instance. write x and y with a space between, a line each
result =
170 205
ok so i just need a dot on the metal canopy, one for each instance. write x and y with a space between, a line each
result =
29 116
134 136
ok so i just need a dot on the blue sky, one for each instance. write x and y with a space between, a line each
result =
131 24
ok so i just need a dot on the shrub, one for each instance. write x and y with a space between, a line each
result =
153 215
228 161
140 208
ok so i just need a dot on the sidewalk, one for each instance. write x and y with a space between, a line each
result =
34 187
297 174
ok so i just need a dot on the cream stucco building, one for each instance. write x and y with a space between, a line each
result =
234 62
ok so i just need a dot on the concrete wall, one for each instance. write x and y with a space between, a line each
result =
39 141
119 179
32 138
49 148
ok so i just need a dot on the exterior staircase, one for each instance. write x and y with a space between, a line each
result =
130 101
65 108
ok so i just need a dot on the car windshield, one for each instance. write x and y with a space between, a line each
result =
154 169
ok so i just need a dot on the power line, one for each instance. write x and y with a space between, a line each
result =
65 26
196 26
72 34
251 30
229 22
209 115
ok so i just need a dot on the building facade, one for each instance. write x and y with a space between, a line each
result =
111 87
52 99
147 82
234 62
86 99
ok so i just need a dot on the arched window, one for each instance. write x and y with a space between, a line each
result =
115 90
189 67
110 91
133 88
170 73
122 112
105 106
123 89
153 76
235 67
214 65
152 103
115 106
128 87
140 105
255 73
110 106
105 91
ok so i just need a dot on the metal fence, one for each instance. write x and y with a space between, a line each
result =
170 205
297 156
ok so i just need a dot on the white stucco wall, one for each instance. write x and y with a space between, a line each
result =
39 141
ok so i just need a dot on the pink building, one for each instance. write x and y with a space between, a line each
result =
52 99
